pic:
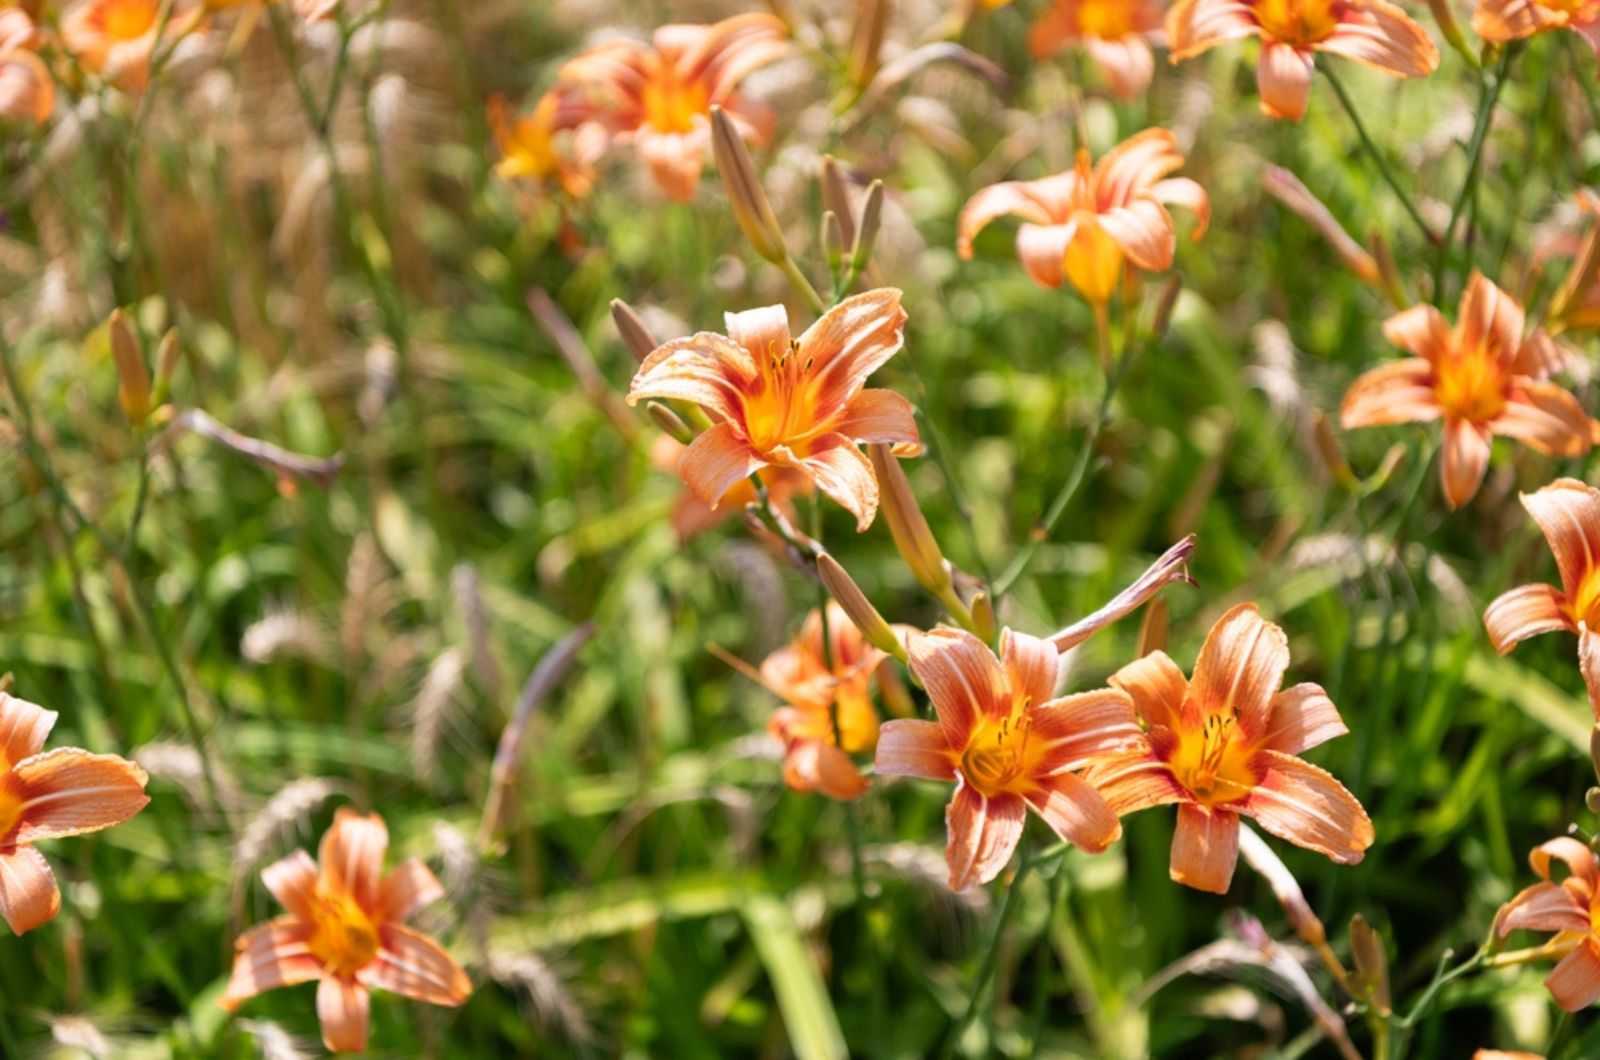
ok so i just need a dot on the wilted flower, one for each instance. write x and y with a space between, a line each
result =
1482 378
1226 743
1508 20
1117 34
1009 744
556 143
117 39
1372 32
1568 512
658 96
344 929
1083 223
50 795
1570 909
785 402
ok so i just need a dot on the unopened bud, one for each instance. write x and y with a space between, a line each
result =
1451 31
1153 630
843 588
1594 749
1389 280
634 334
1288 189
867 228
836 197
1372 964
750 206
1386 468
1164 308
1331 452
832 242
669 421
1591 799
983 617
866 42
133 377
907 525
166 364
1580 279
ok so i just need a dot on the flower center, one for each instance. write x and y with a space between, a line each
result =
1108 19
343 938
671 104
1211 764
10 813
781 410
124 20
996 753
1470 385
1093 262
1298 22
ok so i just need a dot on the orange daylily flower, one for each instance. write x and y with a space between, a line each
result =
1372 32
1083 223
27 91
344 929
557 142
659 96
117 39
1226 743
1009 744
1117 34
50 795
1508 20
1568 512
1482 378
691 515
1570 909
784 402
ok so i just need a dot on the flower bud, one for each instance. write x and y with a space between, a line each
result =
1594 748
166 364
867 229
836 197
1450 30
855 603
669 421
907 525
1579 279
1591 799
1372 964
634 334
1164 308
133 377
1389 280
866 42
1331 453
832 242
983 617
750 206
1153 630
1289 190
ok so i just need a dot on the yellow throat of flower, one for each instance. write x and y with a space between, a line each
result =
782 409
1212 762
1108 19
125 20
672 104
997 752
10 813
1471 385
344 938
1298 22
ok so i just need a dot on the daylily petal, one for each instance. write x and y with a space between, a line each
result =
1181 191
415 966
1127 64
1157 686
1589 664
1011 198
1205 848
675 159
1240 668
1575 981
706 369
1577 856
1042 249
293 882
1508 20
1195 26
1033 666
717 460
881 416
1283 79
351 856
1075 811
1384 37
1397 392
1053 30
1544 907
1169 567
409 887
343 1007
1421 331
812 765
848 343
1144 230
762 333
1076 730
1524 612
1489 317
1134 781
69 791
1301 718
271 955
1303 804
23 728
1546 419
962 677
912 747
842 471
984 833
1463 461
28 894
1134 166
1568 514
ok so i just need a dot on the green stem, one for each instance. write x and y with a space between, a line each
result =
802 286
1488 97
991 959
1376 155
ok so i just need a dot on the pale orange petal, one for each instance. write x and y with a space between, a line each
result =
1074 731
675 159
27 90
410 887
23 729
842 471
1157 686
738 46
1283 79
351 856
1042 249
1144 230
962 677
1546 419
343 1007
1575 981
1302 717
1134 781
1181 191
1075 811
1127 64
1397 392
1463 460
69 791
912 747
28 894
1508 20
1032 666
848 343
1544 907
1568 514
1240 668
266 957
1579 859
706 369
1421 331
717 460
1134 166
1205 848
1170 566
881 416
763 333
984 834
812 765
1489 317
1524 612
1296 801
415 966
293 882
1012 198
1053 30
1195 26
1382 36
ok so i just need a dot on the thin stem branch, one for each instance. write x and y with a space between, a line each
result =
1488 96
991 958
1377 155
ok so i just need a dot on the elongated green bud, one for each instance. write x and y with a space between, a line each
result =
843 588
750 206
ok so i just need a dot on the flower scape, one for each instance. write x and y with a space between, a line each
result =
773 528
